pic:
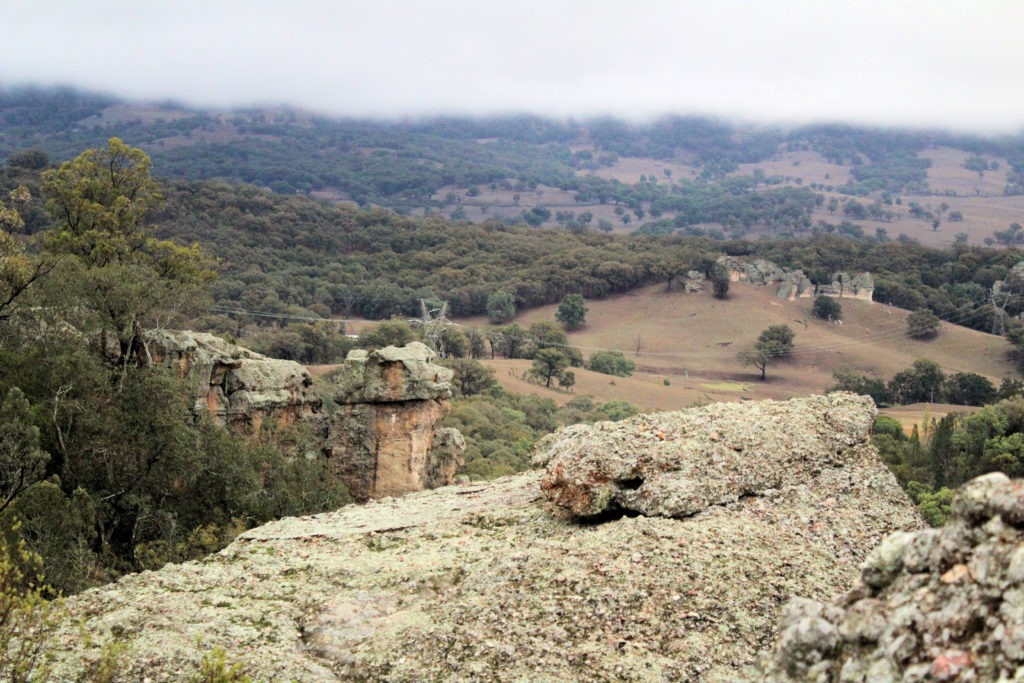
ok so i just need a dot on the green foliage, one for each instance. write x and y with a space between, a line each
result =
501 428
936 506
772 344
548 364
918 383
720 282
617 410
849 380
611 363
22 462
307 343
955 449
888 425
394 332
18 271
101 203
501 307
968 389
922 324
27 619
471 377
215 669
827 308
572 312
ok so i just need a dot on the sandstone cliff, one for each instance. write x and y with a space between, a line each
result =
793 284
239 387
496 582
380 438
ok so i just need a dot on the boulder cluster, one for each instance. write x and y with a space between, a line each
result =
940 604
794 284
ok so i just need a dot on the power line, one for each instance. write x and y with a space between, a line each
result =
888 334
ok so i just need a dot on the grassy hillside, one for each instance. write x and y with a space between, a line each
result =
693 339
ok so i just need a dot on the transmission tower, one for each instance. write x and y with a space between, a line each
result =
433 321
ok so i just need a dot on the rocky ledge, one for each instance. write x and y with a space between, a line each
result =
496 582
941 604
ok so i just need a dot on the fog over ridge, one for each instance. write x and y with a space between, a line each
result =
901 63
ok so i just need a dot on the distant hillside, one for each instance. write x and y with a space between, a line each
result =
691 342
692 174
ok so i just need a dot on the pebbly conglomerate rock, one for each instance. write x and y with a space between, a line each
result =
941 604
677 464
492 582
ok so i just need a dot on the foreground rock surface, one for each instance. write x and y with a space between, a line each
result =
942 604
494 582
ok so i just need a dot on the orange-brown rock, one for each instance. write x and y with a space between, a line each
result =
238 387
381 438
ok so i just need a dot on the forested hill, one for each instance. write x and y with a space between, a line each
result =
505 164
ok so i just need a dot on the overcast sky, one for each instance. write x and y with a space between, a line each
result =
917 62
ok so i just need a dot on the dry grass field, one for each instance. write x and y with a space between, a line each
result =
923 413
693 339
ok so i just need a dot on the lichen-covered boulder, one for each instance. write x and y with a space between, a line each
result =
677 464
939 604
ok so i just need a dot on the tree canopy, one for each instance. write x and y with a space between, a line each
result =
772 344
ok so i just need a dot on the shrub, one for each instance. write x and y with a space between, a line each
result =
922 324
611 363
501 307
27 619
827 308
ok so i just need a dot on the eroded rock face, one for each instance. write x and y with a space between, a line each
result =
677 464
940 604
239 387
381 440
494 583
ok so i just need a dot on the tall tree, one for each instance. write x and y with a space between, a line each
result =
774 343
547 364
101 203
572 312
18 271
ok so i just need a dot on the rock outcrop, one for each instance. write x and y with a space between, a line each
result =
860 286
941 604
239 387
381 439
677 464
494 582
793 284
